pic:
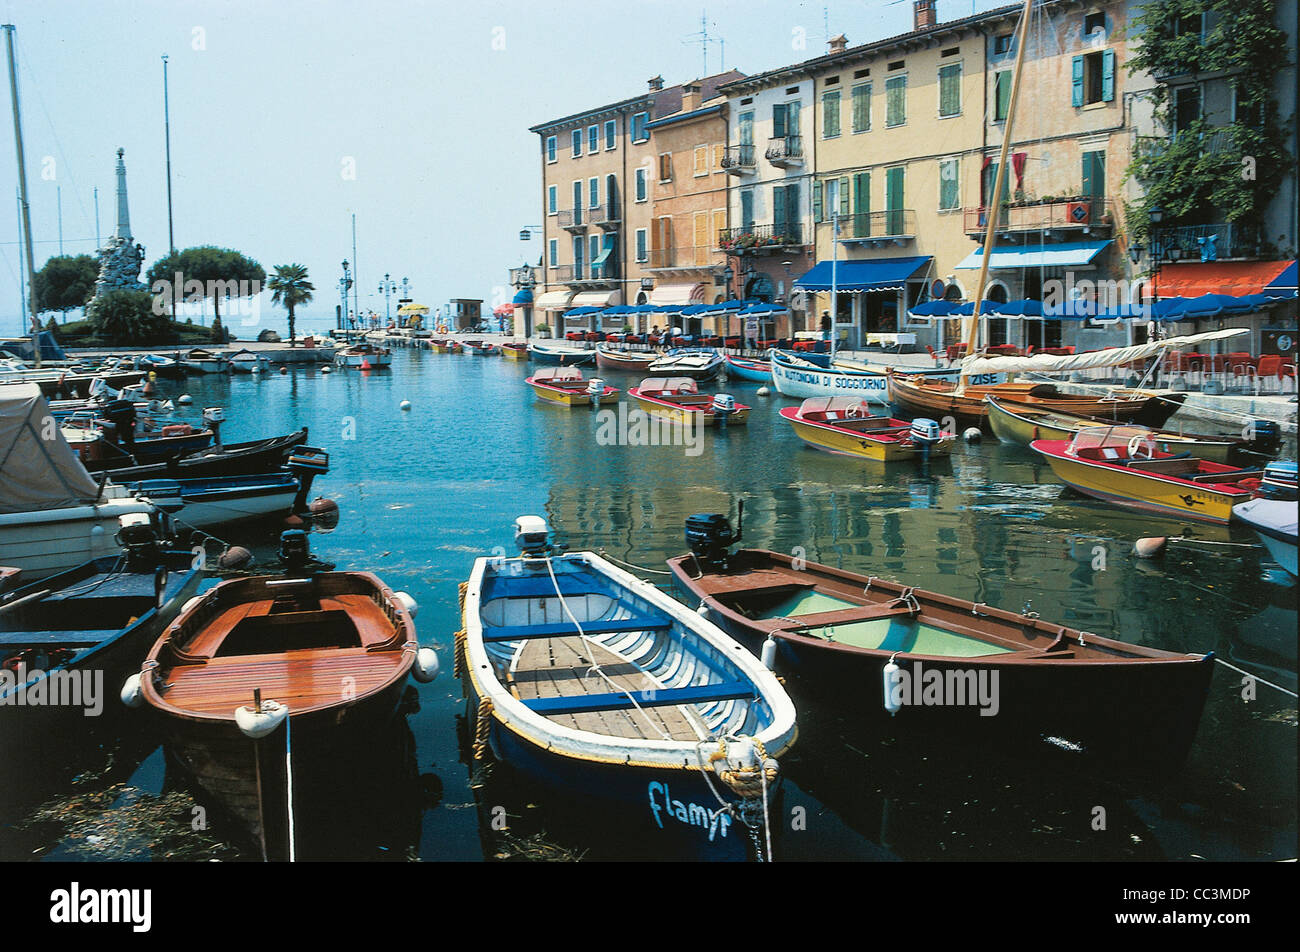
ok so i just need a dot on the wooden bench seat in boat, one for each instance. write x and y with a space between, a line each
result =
844 616
1166 466
564 629
371 624
1226 477
657 697
63 639
538 587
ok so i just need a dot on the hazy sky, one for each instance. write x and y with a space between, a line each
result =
273 102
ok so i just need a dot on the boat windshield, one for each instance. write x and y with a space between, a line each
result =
835 407
670 385
1106 437
558 374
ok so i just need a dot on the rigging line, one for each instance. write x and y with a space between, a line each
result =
1255 676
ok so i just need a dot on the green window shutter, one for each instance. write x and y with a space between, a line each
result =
862 205
949 169
791 208
747 210
1108 76
1001 95
1076 81
831 114
778 207
862 108
950 90
844 195
817 202
778 120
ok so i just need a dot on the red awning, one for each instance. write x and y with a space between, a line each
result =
1217 277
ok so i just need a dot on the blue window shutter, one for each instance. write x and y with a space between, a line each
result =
1108 76
1076 84
817 201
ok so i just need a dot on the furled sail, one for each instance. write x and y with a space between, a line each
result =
1045 363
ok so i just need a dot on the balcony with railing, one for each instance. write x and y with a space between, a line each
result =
572 219
690 258
1066 216
1206 242
1212 141
561 273
608 216
785 151
891 226
761 239
738 159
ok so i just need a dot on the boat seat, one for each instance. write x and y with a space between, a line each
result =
565 629
654 697
62 639
844 616
537 586
1229 477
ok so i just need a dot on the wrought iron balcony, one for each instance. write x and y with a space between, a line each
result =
1072 215
1191 242
738 159
760 239
561 273
572 219
785 151
895 225
1210 141
607 216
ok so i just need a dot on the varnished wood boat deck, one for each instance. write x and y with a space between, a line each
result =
555 667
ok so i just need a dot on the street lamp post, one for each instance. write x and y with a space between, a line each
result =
386 288
345 285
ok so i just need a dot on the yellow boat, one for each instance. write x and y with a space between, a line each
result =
678 400
1121 465
566 387
846 425
514 351
1021 424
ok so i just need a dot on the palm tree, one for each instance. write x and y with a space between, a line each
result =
290 287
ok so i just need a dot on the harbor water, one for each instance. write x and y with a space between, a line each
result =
424 492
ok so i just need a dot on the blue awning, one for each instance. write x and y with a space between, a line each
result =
1069 254
1284 285
525 296
882 274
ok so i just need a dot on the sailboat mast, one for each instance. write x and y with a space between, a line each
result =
22 196
994 209
835 289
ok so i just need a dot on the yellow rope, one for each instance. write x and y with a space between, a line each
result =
458 654
482 728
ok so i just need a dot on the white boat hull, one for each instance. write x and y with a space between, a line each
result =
355 360
55 540
811 381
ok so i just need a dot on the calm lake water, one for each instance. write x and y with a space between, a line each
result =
423 493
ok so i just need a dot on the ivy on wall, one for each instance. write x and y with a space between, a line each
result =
1227 172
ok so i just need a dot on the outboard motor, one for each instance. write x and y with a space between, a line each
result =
595 390
295 550
121 413
140 538
532 536
1279 481
213 417
724 404
925 434
1265 437
710 538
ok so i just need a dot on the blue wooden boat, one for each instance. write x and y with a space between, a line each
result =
623 701
161 365
742 368
560 356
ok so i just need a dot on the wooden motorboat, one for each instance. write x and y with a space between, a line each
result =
813 375
514 351
846 426
206 502
442 345
1272 514
608 358
559 355
231 459
1122 465
567 387
306 663
938 399
479 348
696 363
627 704
364 356
851 639
678 400
743 368
1021 424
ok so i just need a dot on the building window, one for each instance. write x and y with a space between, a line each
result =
1001 95
641 180
593 192
593 254
1187 107
641 245
577 143
1093 78
552 200
639 132
896 101
554 252
593 138
1190 25
862 107
551 148
950 90
665 166
611 134
577 202
1246 113
578 243
701 159
949 184
719 152
745 124
1002 44
1094 22
830 114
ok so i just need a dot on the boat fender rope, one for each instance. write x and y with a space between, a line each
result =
482 728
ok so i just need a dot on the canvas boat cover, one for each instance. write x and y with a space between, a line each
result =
1111 356
38 469
669 385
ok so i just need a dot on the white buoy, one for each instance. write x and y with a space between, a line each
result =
763 391
132 694
185 399
325 369
426 667
257 724
893 675
972 434
404 405
769 653
406 601
1150 547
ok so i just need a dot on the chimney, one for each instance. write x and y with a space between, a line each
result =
838 44
690 96
656 84
924 13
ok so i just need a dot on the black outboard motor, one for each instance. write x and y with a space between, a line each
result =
295 551
1265 437
710 537
121 413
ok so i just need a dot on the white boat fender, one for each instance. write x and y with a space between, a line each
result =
768 656
325 369
893 675
185 399
763 391
191 603
132 694
406 601
257 724
702 610
972 434
426 667
404 405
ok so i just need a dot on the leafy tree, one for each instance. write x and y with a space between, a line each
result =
53 327
127 317
65 282
290 287
218 330
220 273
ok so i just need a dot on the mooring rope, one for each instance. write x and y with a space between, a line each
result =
632 565
1255 677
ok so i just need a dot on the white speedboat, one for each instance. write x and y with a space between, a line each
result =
203 361
247 362
1272 514
364 356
